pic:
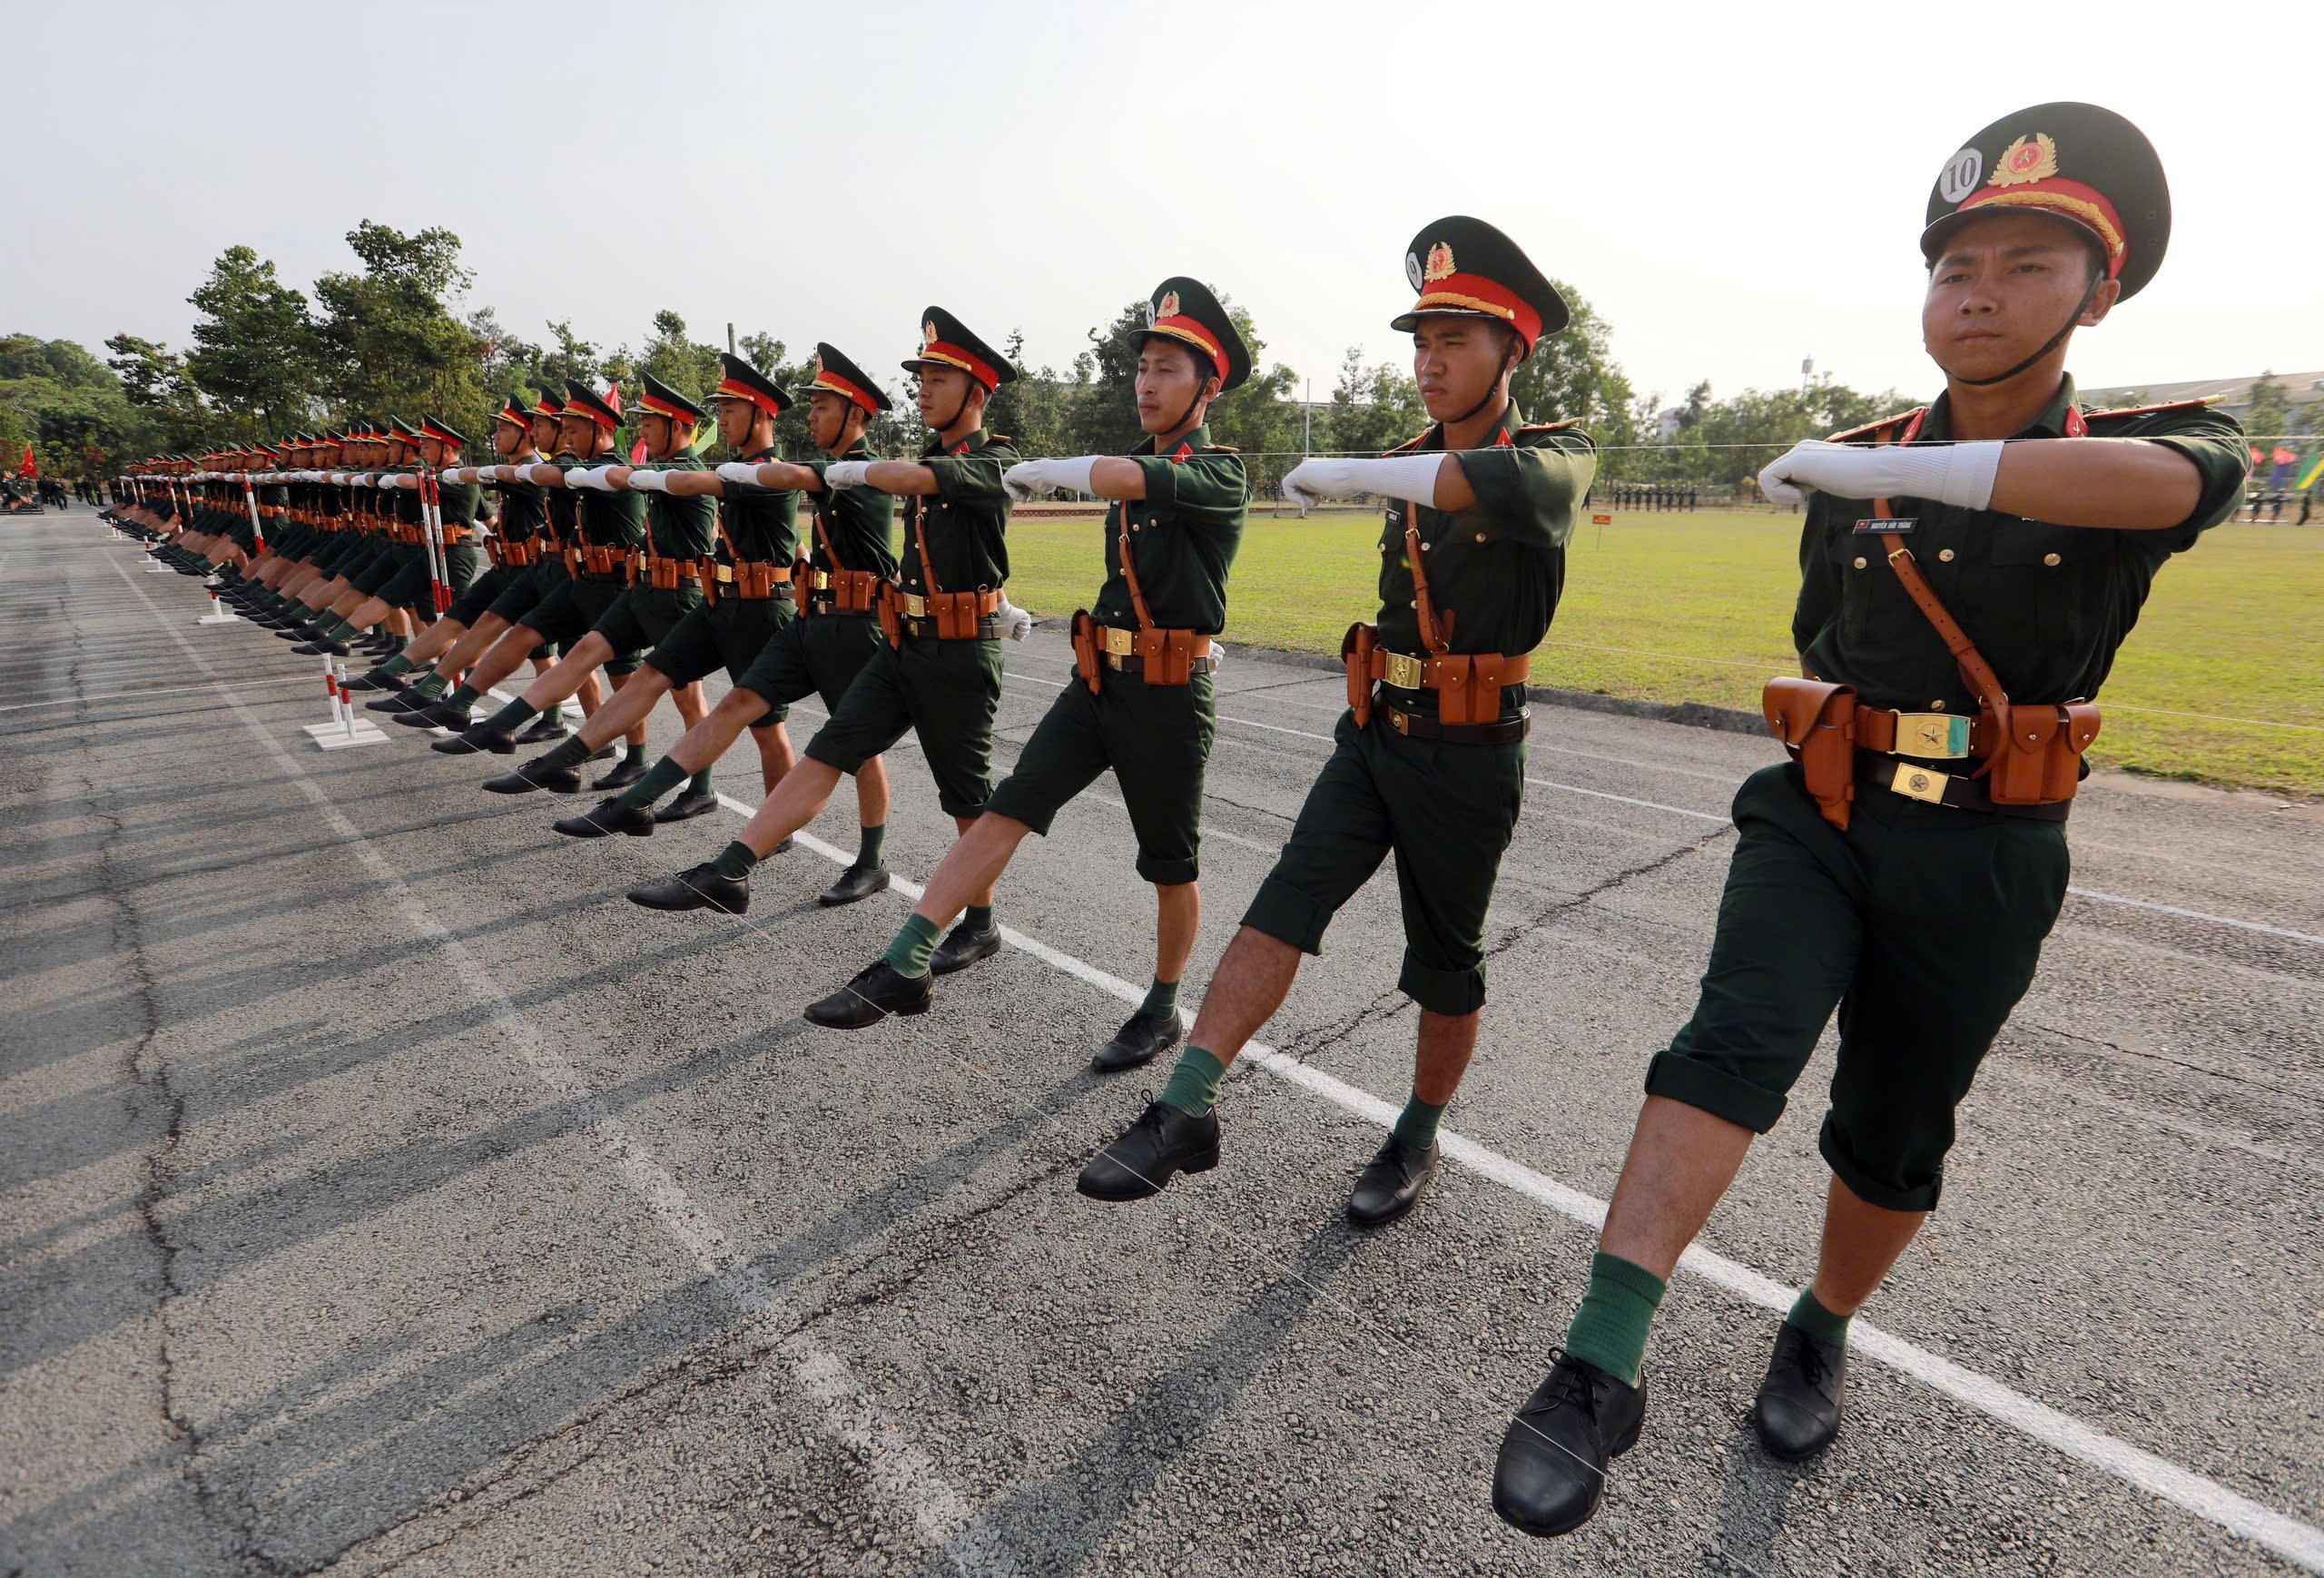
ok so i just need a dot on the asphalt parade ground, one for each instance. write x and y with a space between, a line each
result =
381 1192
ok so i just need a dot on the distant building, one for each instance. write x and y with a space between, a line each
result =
2231 395
1669 421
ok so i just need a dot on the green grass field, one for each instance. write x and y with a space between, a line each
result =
1698 607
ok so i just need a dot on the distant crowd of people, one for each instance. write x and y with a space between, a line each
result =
21 494
2267 504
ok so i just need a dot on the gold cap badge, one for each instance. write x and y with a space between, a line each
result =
927 333
2029 158
1440 262
1169 307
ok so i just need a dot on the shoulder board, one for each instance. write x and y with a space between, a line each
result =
991 438
1220 450
1550 427
1411 442
1882 426
2194 405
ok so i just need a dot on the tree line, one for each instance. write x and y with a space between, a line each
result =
390 336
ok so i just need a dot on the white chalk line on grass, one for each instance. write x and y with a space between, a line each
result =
2205 1498
905 1474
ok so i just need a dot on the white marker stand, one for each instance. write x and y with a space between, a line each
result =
217 615
154 566
345 729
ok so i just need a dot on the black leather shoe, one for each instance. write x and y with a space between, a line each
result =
607 816
876 992
436 715
302 631
403 701
534 774
963 948
605 753
544 731
694 802
1139 1042
857 882
1163 1142
1798 1409
1391 1183
628 771
474 738
695 888
375 680
1552 1472
317 648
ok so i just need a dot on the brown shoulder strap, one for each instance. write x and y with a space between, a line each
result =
919 536
823 535
1979 674
1129 560
1435 637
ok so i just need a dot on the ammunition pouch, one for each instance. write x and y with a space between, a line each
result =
1816 723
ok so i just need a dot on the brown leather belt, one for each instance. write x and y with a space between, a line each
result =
1934 786
754 580
1935 735
988 629
1135 664
1420 726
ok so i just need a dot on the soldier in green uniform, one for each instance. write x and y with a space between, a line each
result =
745 578
412 590
537 524
608 527
1143 702
849 556
1429 759
680 531
939 672
403 550
1968 572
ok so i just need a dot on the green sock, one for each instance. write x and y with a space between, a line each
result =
1161 999
910 953
1193 1089
430 684
629 753
734 862
556 714
395 664
397 644
867 849
1609 1328
336 628
568 752
464 694
1817 1322
701 784
660 778
509 718
1416 1125
979 918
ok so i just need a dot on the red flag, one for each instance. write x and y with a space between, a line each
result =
637 453
30 467
2282 457
2257 457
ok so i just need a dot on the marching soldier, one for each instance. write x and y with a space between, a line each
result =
679 532
745 578
939 672
1968 571
1429 759
849 556
1143 704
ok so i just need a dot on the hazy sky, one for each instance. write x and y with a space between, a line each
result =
1734 188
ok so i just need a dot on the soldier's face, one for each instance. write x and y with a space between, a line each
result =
1169 378
543 433
734 422
942 391
1456 362
827 417
576 434
660 435
508 438
2002 286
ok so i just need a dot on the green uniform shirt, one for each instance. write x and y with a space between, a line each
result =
564 504
965 521
524 508
1182 536
675 527
759 523
861 523
458 501
1497 567
2047 605
605 519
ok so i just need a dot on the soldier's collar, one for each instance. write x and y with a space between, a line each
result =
2050 424
861 448
1195 438
968 446
760 455
1504 432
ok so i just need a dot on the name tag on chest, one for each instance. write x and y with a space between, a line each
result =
1903 525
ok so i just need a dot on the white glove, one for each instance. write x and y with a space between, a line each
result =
1961 475
589 476
740 472
394 479
1315 479
1027 477
645 482
361 479
1015 622
845 474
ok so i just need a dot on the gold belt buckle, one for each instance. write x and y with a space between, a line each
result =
1404 672
819 580
1119 643
915 607
1942 734
1397 720
725 574
1918 782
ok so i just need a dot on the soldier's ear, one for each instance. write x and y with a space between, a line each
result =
2101 301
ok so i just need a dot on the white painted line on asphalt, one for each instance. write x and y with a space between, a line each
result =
941 1507
18 706
904 1472
2207 1499
2261 926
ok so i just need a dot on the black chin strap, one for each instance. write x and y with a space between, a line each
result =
1494 388
2073 318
